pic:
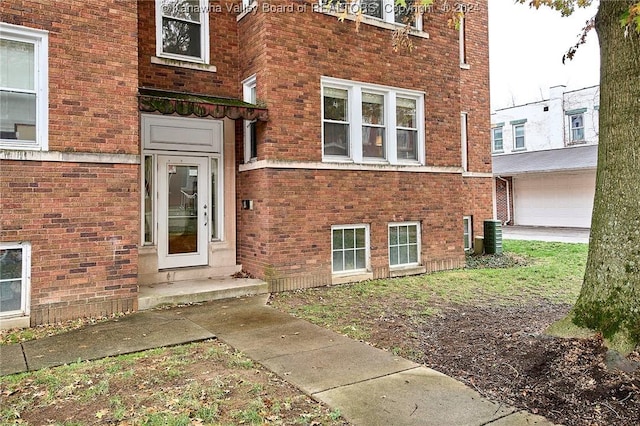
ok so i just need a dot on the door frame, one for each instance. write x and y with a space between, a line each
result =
200 256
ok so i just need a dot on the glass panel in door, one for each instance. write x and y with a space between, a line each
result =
183 208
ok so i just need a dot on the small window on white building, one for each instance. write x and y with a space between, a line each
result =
518 136
404 244
497 138
24 103
350 248
182 30
468 233
15 274
577 127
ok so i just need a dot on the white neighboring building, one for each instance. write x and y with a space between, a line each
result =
545 157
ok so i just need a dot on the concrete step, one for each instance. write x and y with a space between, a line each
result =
203 290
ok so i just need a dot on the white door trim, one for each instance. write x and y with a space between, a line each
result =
200 256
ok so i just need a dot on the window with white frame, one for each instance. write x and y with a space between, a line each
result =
404 244
497 138
349 248
518 136
385 10
373 128
577 127
15 271
250 135
468 233
182 30
462 35
370 123
23 88
464 150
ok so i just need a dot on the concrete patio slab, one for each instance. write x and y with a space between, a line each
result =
292 337
145 330
326 368
419 396
12 360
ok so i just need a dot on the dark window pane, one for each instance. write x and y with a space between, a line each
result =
361 261
373 143
372 7
181 38
360 238
407 141
336 139
335 104
337 261
10 264
337 239
19 116
349 260
188 10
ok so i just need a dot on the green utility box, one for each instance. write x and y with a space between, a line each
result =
492 237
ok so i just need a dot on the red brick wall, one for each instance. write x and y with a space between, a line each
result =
474 83
288 232
299 48
223 30
294 211
92 71
82 219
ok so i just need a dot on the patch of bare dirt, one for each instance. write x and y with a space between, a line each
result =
502 353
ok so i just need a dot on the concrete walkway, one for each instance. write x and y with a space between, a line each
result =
369 386
543 233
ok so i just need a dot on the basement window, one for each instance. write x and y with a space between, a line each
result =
15 275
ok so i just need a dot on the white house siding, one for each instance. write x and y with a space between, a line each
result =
554 199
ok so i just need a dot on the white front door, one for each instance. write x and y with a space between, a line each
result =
183 194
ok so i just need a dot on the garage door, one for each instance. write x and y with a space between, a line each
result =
554 199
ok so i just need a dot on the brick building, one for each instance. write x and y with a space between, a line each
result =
202 138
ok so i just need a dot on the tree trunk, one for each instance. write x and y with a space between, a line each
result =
610 297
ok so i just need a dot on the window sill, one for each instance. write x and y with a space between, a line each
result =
403 270
183 64
374 22
498 152
465 66
519 149
351 277
19 321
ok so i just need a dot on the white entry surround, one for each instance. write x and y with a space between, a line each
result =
554 199
210 143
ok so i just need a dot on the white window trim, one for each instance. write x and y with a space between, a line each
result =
571 128
515 138
493 139
204 35
367 244
387 21
40 40
462 36
354 114
419 244
247 85
464 135
468 231
25 302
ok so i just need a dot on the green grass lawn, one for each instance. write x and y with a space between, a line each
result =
534 271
